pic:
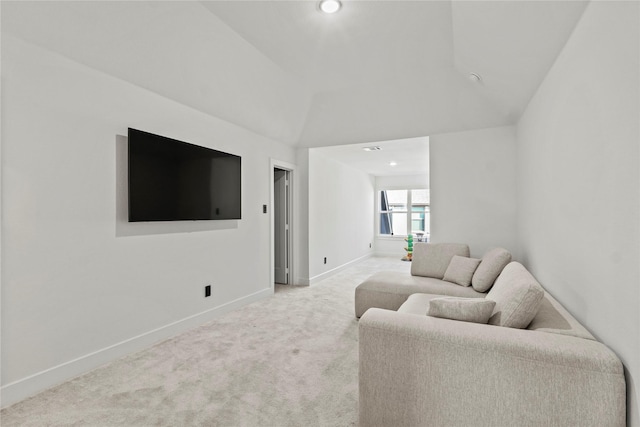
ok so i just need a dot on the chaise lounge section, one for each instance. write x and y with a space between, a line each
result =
389 290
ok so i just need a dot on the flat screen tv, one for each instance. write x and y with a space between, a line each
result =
171 180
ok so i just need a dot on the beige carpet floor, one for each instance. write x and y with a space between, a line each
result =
289 360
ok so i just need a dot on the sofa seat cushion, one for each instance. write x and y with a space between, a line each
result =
432 259
554 318
518 296
390 289
417 304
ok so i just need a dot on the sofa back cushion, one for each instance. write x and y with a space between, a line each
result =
518 296
490 268
432 259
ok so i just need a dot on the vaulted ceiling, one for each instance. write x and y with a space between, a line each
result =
377 70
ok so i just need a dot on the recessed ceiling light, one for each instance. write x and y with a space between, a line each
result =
372 148
330 6
393 164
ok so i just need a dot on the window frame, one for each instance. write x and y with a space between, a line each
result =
409 212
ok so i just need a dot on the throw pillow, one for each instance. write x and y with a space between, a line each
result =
518 297
476 310
460 270
432 259
489 269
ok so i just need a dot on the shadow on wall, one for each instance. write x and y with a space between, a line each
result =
633 410
124 228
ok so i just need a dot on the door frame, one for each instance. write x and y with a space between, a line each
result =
278 164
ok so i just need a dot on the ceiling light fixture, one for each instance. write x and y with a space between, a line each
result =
475 77
329 6
372 148
393 164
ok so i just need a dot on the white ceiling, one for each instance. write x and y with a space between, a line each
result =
377 70
396 69
411 156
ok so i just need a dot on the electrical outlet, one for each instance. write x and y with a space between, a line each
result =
207 291
325 260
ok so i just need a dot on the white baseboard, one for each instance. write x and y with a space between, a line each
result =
33 384
335 270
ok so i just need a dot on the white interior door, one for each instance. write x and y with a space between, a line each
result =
281 225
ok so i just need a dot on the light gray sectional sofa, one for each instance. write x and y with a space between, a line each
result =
516 357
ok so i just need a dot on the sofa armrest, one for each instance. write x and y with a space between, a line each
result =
419 370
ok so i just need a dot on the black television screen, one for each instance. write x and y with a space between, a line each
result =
171 180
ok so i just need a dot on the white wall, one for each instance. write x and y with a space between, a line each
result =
579 185
400 182
473 189
80 285
179 49
340 215
301 203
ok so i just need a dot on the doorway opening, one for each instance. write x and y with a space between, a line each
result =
281 224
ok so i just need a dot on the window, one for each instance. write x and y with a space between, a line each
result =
404 212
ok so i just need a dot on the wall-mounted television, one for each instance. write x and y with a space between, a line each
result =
171 180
